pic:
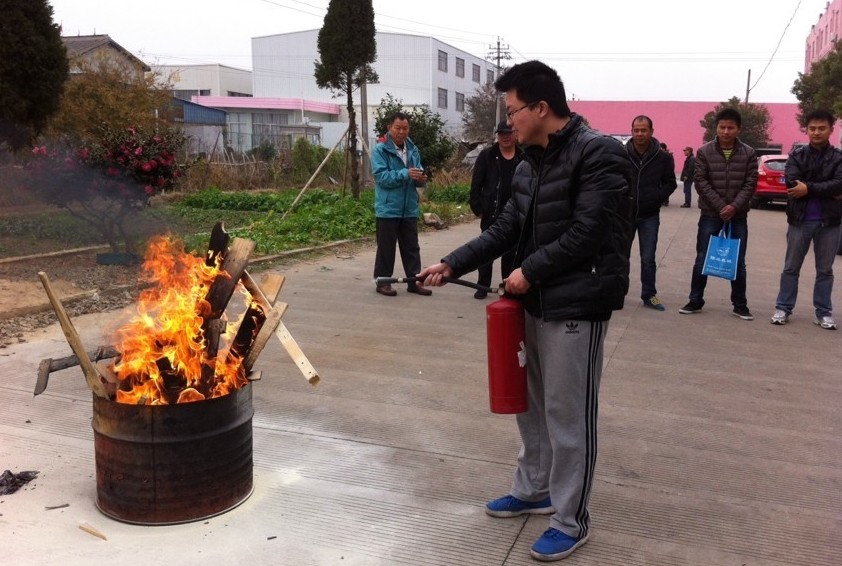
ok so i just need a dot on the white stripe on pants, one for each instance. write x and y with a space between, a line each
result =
558 455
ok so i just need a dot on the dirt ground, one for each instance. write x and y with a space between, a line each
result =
80 283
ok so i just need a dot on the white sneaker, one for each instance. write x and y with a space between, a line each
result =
825 322
780 317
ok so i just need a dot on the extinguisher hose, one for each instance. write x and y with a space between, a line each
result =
380 281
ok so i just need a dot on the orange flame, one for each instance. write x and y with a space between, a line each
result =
163 347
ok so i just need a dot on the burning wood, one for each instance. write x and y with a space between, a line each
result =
182 345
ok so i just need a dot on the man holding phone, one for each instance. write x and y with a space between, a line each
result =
396 166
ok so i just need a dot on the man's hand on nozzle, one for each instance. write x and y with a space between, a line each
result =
516 283
434 275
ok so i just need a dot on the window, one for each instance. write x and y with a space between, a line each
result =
489 76
442 60
442 98
475 76
460 67
460 102
267 127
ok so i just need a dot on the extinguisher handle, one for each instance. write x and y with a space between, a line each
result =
380 281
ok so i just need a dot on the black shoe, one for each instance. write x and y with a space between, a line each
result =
419 290
387 290
743 313
481 294
691 308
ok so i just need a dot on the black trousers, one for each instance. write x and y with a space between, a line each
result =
507 261
404 232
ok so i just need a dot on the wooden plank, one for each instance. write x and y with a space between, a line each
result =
283 334
294 351
234 265
217 245
92 376
271 284
267 329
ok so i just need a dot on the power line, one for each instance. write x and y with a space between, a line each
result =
776 48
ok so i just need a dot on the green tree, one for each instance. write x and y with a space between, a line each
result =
347 48
478 120
755 117
426 130
822 86
33 69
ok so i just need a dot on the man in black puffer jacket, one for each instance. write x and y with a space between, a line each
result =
570 217
491 187
652 185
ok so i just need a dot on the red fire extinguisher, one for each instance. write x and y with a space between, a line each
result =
507 388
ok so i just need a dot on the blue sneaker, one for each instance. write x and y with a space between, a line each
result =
511 506
555 545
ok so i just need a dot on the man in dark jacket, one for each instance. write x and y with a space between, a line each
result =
653 182
570 220
491 187
725 178
687 175
813 213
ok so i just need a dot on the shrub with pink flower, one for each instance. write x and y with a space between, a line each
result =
105 182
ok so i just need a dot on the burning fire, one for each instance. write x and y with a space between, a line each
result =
163 348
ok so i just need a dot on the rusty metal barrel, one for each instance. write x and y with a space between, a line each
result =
170 464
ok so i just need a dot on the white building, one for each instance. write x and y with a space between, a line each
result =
206 80
415 70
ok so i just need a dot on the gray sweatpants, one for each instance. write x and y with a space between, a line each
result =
558 456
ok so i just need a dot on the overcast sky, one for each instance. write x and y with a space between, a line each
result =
603 49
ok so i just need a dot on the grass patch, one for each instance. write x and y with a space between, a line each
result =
320 217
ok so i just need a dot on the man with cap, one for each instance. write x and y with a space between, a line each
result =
491 187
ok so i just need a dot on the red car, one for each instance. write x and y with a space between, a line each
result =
771 185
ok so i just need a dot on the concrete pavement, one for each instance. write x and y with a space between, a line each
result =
719 438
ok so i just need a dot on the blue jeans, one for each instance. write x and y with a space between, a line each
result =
647 239
688 191
798 239
710 226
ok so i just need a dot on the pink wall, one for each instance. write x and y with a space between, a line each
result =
677 123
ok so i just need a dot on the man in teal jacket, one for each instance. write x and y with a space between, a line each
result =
396 166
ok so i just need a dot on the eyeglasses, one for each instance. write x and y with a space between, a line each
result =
511 113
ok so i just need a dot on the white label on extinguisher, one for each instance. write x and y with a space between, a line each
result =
521 355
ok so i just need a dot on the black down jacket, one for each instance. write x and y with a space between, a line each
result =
821 171
573 242
654 178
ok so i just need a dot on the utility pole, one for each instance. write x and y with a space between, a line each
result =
748 82
497 54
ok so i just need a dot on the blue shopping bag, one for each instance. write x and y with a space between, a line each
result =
722 255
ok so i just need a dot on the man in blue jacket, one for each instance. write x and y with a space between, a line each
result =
652 185
396 166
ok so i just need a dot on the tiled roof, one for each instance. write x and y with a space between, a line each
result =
78 45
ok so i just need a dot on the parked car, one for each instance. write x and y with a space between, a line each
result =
768 150
771 184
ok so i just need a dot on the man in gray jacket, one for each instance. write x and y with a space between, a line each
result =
725 178
569 218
